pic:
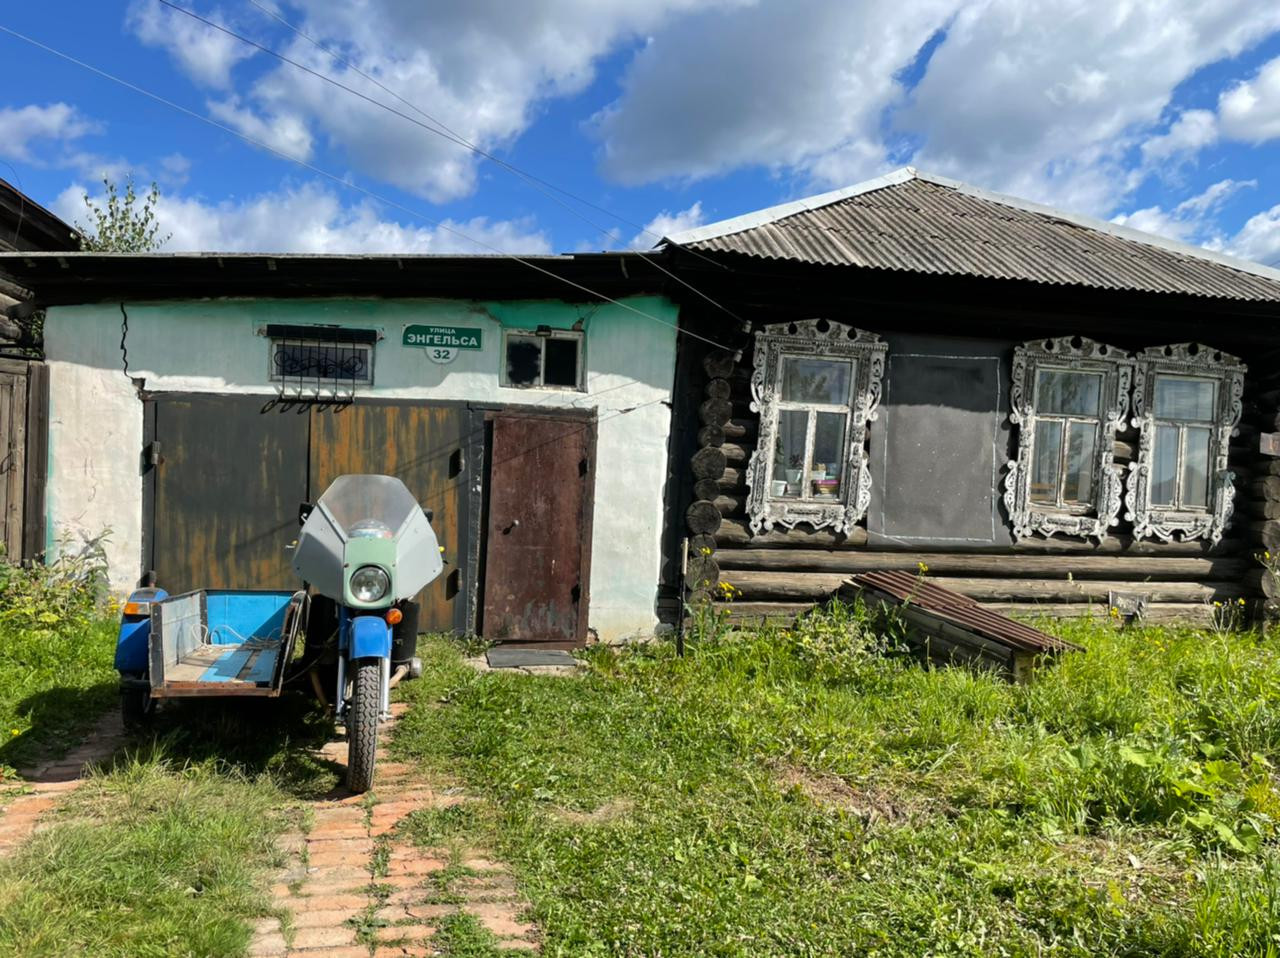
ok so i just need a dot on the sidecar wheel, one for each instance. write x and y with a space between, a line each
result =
137 708
362 724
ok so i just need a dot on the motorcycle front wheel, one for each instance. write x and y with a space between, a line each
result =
362 723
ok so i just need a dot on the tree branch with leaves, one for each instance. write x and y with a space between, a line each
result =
125 223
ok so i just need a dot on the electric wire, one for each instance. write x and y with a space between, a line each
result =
440 129
461 140
348 184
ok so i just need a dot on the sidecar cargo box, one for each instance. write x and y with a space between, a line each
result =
223 642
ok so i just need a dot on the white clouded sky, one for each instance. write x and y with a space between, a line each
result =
1164 114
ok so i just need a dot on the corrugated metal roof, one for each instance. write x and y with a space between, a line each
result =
961 611
913 222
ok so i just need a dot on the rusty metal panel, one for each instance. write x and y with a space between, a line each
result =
227 489
960 611
537 555
425 448
920 226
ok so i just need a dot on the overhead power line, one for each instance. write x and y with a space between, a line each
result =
437 127
348 184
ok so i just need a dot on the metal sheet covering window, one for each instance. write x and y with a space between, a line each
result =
543 358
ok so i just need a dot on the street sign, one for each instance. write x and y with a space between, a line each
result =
442 343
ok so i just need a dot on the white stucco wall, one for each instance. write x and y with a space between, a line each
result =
95 428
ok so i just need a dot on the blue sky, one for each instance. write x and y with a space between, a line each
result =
1163 114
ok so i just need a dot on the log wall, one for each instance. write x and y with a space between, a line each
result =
783 572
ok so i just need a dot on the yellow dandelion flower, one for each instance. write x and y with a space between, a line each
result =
922 567
14 731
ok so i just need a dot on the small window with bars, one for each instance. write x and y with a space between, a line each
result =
319 356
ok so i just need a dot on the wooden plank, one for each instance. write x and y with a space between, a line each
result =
37 462
736 532
1158 613
814 586
227 666
10 464
978 564
755 614
262 668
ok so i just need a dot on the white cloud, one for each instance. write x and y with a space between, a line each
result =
1250 111
1043 98
1189 134
206 55
312 219
479 67
1258 239
52 127
1190 220
284 132
782 86
666 223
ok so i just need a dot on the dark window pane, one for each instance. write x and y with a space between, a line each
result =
788 456
1164 466
1046 462
1188 400
1195 467
524 356
1077 486
1068 393
561 363
828 453
823 381
331 361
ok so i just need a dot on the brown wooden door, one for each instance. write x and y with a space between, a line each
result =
424 447
13 453
539 530
227 491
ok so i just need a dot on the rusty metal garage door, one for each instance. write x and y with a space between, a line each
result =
227 483
424 447
229 478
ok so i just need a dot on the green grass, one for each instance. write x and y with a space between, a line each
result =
169 850
56 678
801 793
155 859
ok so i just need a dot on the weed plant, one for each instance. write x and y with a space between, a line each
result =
57 643
813 791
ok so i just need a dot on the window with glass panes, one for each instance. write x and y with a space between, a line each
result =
1184 409
1068 411
814 399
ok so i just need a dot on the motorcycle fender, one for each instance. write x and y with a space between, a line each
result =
131 646
370 637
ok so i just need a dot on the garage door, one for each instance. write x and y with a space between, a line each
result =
230 477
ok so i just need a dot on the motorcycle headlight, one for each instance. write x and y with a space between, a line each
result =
369 583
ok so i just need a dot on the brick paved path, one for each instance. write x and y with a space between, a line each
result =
41 788
354 887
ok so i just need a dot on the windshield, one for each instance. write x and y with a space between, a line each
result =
368 506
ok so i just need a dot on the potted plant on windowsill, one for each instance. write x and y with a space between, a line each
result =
795 472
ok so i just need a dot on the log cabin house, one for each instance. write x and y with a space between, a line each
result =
1049 413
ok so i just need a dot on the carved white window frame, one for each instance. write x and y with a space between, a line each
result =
824 339
1197 361
1079 355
